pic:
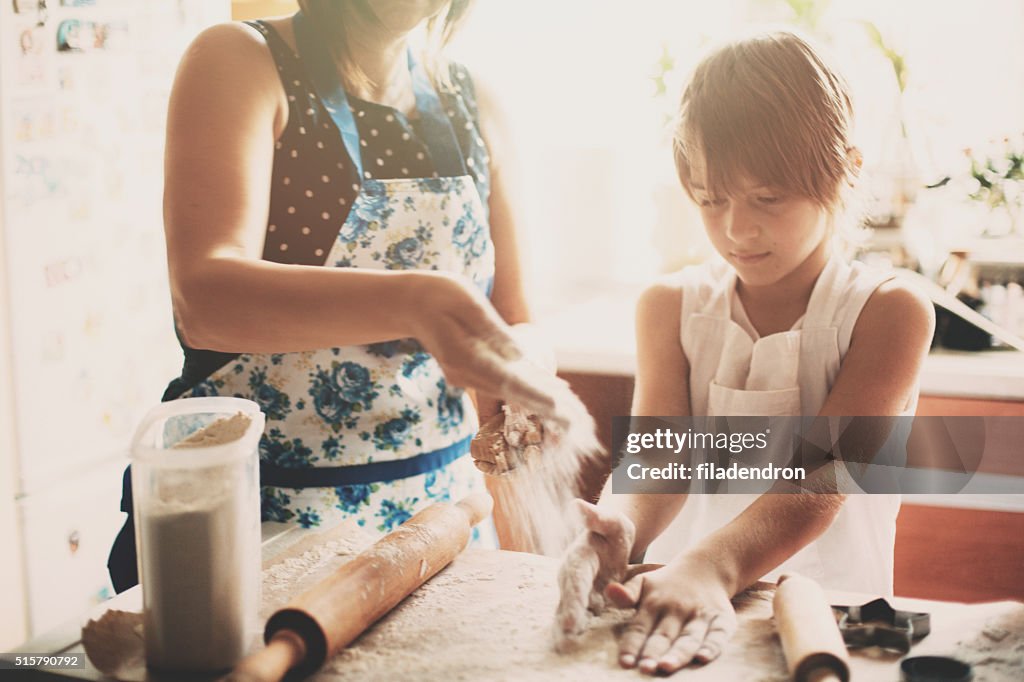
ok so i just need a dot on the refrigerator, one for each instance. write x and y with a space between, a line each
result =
87 334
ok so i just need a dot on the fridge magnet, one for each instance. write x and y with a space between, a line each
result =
29 6
75 35
62 271
33 121
30 66
34 179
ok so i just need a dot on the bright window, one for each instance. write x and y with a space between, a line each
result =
575 78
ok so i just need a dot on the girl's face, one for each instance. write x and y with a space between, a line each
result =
402 16
762 232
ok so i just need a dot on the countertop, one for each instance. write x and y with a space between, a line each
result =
459 626
596 336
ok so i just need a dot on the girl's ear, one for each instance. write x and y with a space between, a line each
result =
854 161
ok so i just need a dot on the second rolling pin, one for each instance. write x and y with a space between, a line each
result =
329 616
814 648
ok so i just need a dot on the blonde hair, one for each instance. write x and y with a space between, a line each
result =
768 108
333 14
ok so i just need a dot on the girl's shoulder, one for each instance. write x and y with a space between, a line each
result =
896 303
702 284
689 288
873 300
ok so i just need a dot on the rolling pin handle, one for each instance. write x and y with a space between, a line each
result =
814 649
477 507
285 651
824 675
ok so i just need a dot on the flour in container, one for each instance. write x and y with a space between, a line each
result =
198 532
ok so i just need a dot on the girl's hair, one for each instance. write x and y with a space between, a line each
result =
768 108
330 17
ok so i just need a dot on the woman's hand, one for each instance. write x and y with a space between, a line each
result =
476 348
597 558
683 615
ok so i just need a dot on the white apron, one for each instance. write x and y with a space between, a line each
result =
735 372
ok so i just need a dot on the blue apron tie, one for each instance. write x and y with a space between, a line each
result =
438 133
374 472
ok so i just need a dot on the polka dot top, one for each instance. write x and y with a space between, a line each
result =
314 180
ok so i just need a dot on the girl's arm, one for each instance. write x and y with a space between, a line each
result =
226 111
683 609
661 389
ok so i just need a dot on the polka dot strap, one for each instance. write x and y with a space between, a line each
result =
439 135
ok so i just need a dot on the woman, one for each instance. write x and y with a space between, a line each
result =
337 213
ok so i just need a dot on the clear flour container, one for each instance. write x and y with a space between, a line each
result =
195 483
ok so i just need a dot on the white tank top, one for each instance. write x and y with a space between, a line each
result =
733 371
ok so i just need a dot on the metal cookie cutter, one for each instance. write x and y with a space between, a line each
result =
878 624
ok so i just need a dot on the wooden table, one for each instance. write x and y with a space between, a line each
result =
488 617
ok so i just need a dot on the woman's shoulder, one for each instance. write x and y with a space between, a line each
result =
229 61
231 49
230 36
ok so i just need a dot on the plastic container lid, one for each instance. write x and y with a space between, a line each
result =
148 444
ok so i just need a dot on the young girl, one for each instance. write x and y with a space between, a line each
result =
781 326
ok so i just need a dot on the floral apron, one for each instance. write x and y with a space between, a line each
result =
368 432
372 432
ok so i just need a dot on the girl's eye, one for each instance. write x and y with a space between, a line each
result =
769 200
709 203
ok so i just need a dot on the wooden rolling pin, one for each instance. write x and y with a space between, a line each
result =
814 649
329 616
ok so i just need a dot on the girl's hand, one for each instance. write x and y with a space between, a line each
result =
683 615
597 558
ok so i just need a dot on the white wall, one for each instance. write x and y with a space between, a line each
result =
13 626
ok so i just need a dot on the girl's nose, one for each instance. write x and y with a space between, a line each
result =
740 224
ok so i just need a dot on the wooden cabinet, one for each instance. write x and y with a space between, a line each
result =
929 406
968 555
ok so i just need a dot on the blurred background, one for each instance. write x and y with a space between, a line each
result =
589 88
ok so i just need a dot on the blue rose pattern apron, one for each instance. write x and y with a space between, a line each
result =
372 432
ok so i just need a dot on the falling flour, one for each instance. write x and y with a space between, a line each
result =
538 476
199 528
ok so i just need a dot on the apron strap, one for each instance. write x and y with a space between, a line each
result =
439 135
824 301
374 472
